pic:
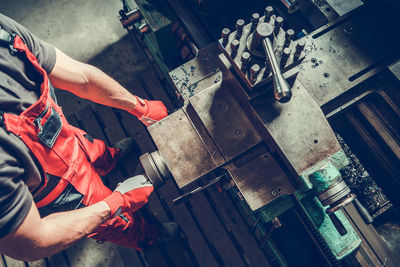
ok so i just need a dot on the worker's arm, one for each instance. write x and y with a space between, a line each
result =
39 237
89 82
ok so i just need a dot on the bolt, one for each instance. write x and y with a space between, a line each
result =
276 222
144 28
255 18
263 30
245 61
239 28
269 11
222 107
299 48
234 46
225 36
288 37
238 132
278 25
254 71
284 57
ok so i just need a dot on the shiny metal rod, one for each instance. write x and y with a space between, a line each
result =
282 89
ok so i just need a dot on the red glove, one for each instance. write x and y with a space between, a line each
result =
130 195
149 112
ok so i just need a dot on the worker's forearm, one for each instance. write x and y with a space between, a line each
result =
89 82
102 89
59 230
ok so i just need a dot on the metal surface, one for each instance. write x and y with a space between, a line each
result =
177 153
199 73
343 7
224 119
313 139
260 181
342 55
282 90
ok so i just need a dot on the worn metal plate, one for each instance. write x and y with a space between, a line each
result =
199 73
299 128
224 119
184 152
260 181
340 56
343 7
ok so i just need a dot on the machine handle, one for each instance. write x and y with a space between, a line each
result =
363 212
282 90
185 196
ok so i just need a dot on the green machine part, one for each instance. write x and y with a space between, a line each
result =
160 40
338 235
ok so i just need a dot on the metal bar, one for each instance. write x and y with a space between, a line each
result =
187 195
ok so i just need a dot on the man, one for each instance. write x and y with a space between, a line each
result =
48 167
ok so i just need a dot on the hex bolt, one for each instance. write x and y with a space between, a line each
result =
239 28
299 48
225 36
245 61
255 18
269 11
254 71
284 57
278 25
234 46
288 37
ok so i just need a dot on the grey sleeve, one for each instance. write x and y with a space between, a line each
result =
44 52
15 198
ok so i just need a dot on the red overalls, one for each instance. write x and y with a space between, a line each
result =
71 162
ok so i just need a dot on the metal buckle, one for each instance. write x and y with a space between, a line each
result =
13 51
8 39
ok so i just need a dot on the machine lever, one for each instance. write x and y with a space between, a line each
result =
275 223
363 212
185 196
282 89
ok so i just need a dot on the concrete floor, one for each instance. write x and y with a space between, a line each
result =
82 29
88 31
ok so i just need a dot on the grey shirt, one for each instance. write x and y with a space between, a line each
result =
20 174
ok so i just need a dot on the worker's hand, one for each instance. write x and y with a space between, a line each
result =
149 112
130 195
